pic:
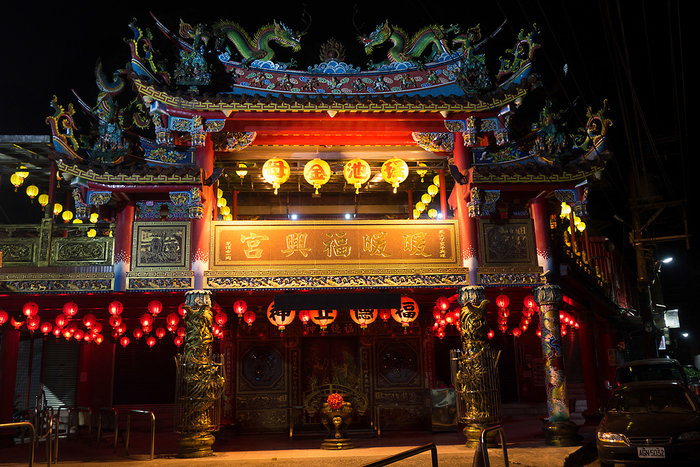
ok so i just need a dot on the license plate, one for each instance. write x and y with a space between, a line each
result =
651 452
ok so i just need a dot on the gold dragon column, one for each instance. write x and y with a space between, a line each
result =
199 379
477 376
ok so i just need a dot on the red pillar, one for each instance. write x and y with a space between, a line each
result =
409 193
9 352
83 396
443 195
467 225
201 227
234 208
591 381
123 235
540 217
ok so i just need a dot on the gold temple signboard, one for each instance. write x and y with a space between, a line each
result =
329 244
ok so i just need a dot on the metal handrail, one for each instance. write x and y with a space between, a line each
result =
115 412
153 429
50 455
406 454
78 410
23 425
482 447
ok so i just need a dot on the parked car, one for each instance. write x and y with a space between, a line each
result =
651 369
650 421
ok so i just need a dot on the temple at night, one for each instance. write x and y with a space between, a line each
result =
229 240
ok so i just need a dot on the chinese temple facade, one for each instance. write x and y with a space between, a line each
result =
332 229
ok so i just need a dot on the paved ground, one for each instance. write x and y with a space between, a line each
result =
525 445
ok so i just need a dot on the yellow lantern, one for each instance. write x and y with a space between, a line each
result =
16 180
323 317
280 318
225 211
394 171
219 193
420 206
57 208
432 213
422 170
22 172
581 226
416 213
32 191
91 233
433 190
357 172
221 202
436 181
67 215
426 198
94 217
317 172
43 200
228 217
364 316
242 170
565 210
77 221
407 313
276 171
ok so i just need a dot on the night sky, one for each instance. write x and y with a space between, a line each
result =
591 51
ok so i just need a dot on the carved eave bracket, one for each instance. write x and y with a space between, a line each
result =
63 130
434 141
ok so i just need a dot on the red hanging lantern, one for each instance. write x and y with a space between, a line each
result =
97 328
155 307
67 334
87 337
138 333
146 329
3 317
443 303
437 313
529 302
33 323
449 318
115 320
121 329
99 338
151 341
172 319
181 332
89 320
171 328
502 301
440 333
220 318
304 316
249 317
16 324
70 309
178 341
538 332
78 335
181 309
56 331
240 307
160 333
124 341
323 317
516 332
364 316
280 318
115 308
490 334
31 309
46 327
146 320
216 331
61 320
385 314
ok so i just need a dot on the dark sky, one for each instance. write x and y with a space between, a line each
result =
634 53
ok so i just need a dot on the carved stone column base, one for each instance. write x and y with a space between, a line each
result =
337 443
196 445
561 433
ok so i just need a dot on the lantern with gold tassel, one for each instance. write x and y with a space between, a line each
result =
276 171
317 172
364 316
357 172
323 317
407 313
280 318
394 171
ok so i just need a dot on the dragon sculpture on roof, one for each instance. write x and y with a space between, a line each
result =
431 38
259 46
